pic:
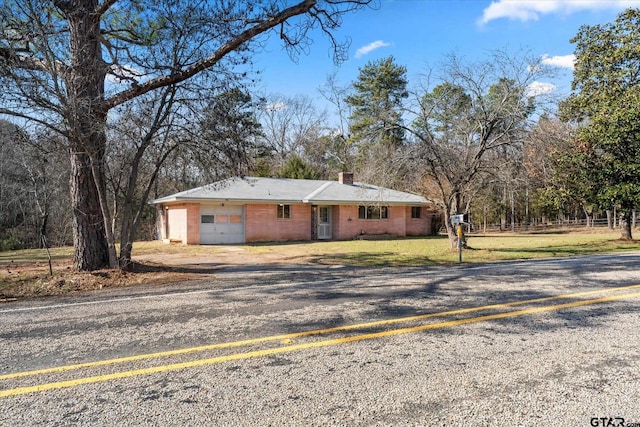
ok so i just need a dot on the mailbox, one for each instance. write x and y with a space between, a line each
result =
459 219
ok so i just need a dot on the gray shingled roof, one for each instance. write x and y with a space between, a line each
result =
285 190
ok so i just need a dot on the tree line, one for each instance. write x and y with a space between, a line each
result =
139 111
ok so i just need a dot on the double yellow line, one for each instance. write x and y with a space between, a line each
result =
289 347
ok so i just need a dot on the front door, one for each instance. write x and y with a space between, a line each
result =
324 222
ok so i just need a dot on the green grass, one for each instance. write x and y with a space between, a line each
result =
31 255
24 273
66 253
436 250
400 252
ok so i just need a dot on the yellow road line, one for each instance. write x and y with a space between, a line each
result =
297 347
302 334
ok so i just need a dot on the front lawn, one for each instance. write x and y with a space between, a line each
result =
25 273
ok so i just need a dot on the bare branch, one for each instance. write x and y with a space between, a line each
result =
44 122
29 63
102 8
208 62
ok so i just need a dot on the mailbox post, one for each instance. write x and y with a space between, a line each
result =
458 221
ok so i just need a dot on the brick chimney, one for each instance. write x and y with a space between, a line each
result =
345 178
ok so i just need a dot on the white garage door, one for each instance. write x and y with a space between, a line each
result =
221 224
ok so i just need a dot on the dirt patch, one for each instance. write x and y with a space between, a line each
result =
32 279
25 281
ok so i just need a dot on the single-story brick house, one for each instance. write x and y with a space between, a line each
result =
243 210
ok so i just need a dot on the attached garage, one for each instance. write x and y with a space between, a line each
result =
221 224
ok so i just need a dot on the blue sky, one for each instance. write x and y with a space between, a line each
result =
418 33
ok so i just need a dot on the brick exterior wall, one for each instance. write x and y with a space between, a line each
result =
419 226
347 225
262 223
193 224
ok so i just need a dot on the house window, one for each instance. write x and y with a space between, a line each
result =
207 219
362 212
416 212
373 212
284 211
384 212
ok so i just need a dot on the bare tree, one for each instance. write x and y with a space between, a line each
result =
478 108
339 153
33 180
291 124
55 57
554 158
140 140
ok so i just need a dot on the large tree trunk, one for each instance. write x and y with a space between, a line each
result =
453 207
588 215
625 229
625 223
87 139
91 251
451 231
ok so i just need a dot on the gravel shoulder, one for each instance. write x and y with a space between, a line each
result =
560 366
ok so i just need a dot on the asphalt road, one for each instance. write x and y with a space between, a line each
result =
535 343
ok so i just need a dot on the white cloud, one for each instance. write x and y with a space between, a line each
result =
566 61
539 88
371 47
531 10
